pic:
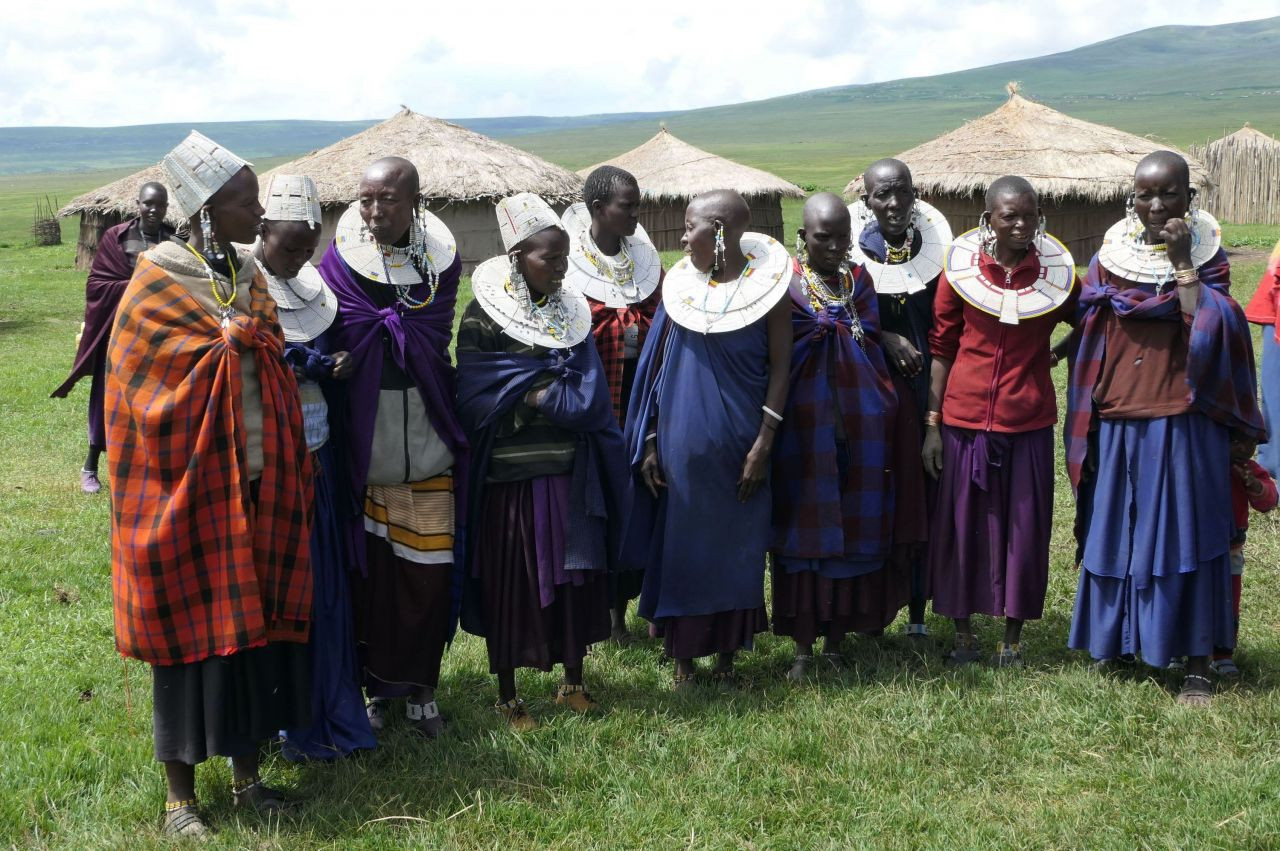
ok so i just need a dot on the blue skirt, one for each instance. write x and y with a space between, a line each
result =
1156 576
339 724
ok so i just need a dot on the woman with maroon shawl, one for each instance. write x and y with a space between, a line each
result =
210 489
112 267
613 263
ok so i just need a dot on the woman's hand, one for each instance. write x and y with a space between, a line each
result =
341 365
1177 241
902 355
755 469
931 451
651 468
534 398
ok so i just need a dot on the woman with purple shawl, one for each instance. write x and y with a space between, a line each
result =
547 468
1162 381
394 268
832 477
109 274
709 393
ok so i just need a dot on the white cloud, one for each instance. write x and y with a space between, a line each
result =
114 62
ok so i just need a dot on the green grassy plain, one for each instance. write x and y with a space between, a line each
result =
894 752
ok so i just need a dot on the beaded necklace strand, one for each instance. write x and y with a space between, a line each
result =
622 273
226 308
821 297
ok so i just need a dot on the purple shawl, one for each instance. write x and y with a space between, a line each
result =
108 276
1221 378
817 513
419 342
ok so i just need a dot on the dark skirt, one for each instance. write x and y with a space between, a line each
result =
990 548
229 705
808 604
339 724
97 399
625 586
536 614
694 636
402 616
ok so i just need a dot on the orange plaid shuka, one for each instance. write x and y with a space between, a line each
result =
197 571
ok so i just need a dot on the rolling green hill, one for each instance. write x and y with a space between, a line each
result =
1177 84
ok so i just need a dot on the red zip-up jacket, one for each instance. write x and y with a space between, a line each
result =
1000 376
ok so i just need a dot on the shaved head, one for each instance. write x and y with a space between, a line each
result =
1164 164
153 188
824 210
395 170
725 206
1009 186
883 171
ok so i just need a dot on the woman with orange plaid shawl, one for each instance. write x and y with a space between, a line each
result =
614 264
209 489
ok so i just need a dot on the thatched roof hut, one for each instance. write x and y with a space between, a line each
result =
462 173
671 172
107 206
1245 170
1082 171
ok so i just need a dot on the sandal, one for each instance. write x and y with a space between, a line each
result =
835 660
726 678
1226 669
917 630
682 682
182 818
425 718
1196 691
576 698
1007 655
964 652
253 795
89 482
517 717
376 709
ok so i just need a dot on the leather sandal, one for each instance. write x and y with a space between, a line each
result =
964 652
516 715
1196 691
425 718
183 818
576 697
252 794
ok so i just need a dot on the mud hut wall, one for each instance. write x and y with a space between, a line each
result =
664 220
1078 223
92 225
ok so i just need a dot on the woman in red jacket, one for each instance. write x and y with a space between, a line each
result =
992 408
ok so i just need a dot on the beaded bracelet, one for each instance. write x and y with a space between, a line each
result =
933 418
174 806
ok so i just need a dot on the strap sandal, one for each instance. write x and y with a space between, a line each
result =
1007 655
183 818
252 794
683 682
425 718
964 652
376 709
799 668
576 697
725 678
835 660
89 482
1177 664
1226 669
917 630
1196 691
514 713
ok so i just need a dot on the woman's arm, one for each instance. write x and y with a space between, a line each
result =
755 469
931 450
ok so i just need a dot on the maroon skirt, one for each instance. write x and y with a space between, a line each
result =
401 611
807 604
990 548
694 636
536 613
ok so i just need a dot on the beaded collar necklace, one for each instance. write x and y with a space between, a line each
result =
821 297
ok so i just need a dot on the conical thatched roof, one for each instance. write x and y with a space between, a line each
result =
1245 168
119 197
1061 156
1245 137
668 168
453 163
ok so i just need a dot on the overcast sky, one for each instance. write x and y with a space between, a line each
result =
109 63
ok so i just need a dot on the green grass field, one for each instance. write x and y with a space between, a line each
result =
894 752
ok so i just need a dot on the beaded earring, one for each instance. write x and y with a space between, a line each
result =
802 251
719 261
211 246
1040 230
1193 205
986 236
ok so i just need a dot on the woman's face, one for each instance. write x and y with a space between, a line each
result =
621 213
234 208
1159 195
544 259
287 246
699 240
890 202
1014 219
386 207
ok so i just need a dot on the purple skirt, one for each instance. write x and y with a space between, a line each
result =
695 636
807 603
536 613
989 553
97 392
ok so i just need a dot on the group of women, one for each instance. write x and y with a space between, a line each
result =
873 418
